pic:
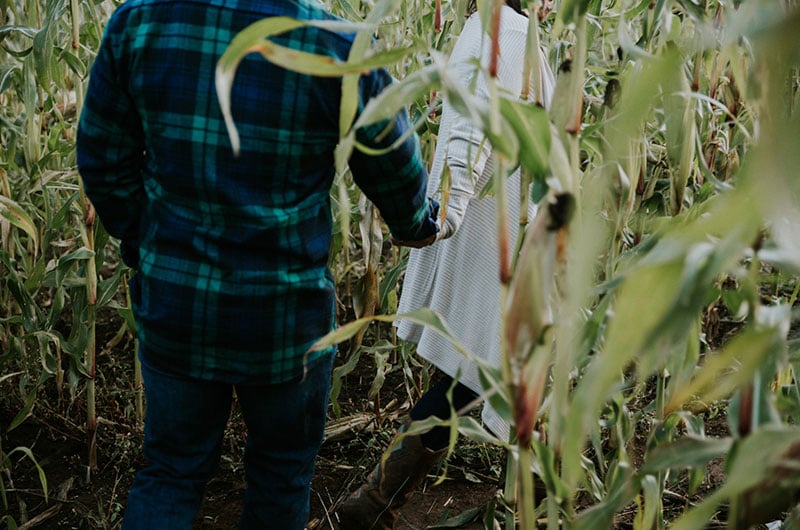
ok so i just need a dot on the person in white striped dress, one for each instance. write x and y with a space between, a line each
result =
457 276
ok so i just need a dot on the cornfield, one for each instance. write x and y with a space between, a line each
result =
658 284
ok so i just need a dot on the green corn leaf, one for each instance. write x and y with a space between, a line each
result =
338 374
349 10
323 65
36 275
10 29
382 367
23 414
29 454
651 498
5 377
56 307
495 391
669 282
744 471
425 317
685 453
470 428
108 287
361 45
7 519
532 128
458 521
389 284
80 254
396 96
8 75
17 289
18 217
44 44
477 110
601 515
725 371
44 340
548 463
254 38
785 257
74 62
679 116
571 10
127 315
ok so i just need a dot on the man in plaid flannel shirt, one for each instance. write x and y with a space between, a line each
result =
232 284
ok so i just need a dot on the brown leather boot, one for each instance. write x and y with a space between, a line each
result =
376 504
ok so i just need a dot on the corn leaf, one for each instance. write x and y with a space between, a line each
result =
725 371
29 454
532 128
620 493
685 453
744 471
254 38
396 96
425 317
570 10
18 217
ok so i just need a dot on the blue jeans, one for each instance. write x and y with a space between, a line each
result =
184 425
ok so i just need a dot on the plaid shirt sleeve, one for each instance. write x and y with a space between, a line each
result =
395 181
110 152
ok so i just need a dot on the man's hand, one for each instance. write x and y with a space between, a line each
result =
430 227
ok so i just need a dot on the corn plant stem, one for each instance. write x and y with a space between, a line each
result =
501 218
344 226
524 203
76 24
561 384
5 187
751 394
533 66
661 477
526 504
533 70
138 384
79 91
504 272
91 413
793 297
650 24
34 14
553 519
578 79
510 488
59 377
5 190
87 234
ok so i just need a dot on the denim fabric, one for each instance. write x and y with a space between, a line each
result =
184 425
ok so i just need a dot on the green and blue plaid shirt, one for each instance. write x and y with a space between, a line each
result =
231 253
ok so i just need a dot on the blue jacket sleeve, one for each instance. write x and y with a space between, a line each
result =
110 151
395 181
